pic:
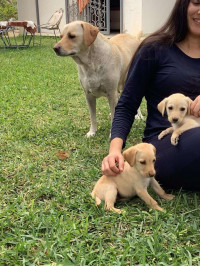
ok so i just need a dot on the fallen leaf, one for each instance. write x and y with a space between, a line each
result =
62 155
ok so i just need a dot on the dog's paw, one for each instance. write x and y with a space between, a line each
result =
113 209
161 135
139 116
159 209
174 140
168 196
91 134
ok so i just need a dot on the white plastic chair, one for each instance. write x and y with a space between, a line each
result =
54 22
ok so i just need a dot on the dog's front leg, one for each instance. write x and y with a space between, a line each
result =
177 132
165 132
112 99
144 195
157 188
175 137
91 101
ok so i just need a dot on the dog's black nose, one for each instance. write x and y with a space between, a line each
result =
175 120
57 49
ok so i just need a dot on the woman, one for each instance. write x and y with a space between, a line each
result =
167 62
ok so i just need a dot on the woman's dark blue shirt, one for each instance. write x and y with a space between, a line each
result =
156 72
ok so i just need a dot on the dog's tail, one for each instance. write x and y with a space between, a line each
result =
138 36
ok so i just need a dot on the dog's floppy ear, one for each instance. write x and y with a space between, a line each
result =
189 103
129 155
162 105
154 149
89 33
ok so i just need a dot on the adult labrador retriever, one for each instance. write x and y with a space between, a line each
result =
102 63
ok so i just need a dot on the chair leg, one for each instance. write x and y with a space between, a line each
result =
55 35
40 32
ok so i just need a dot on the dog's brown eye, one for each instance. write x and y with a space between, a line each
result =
182 109
154 161
71 36
170 107
143 162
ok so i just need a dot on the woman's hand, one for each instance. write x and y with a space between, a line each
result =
113 163
195 107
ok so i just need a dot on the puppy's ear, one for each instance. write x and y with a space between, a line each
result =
162 105
154 148
189 103
129 155
89 33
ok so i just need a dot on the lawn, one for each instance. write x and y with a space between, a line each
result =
47 216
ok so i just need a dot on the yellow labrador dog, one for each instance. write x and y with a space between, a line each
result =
102 63
177 107
138 174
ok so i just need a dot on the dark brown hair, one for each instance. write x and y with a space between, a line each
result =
175 28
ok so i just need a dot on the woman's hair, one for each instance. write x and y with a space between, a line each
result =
175 28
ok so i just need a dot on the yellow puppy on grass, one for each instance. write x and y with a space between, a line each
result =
138 174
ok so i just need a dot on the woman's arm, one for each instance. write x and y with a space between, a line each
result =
141 71
140 77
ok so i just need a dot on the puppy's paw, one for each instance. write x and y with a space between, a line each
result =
117 210
168 196
174 140
159 209
161 135
113 209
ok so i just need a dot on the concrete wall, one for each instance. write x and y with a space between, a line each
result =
153 18
26 10
132 16
145 15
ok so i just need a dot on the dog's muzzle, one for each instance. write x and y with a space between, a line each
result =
57 49
174 120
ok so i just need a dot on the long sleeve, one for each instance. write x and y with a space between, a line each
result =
140 75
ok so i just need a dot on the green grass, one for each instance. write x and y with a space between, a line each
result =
47 216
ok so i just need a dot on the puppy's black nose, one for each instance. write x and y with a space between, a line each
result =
151 174
175 120
57 49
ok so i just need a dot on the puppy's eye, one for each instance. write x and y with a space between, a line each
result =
154 160
182 109
61 35
71 36
170 108
143 162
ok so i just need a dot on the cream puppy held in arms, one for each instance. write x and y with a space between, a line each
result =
177 107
